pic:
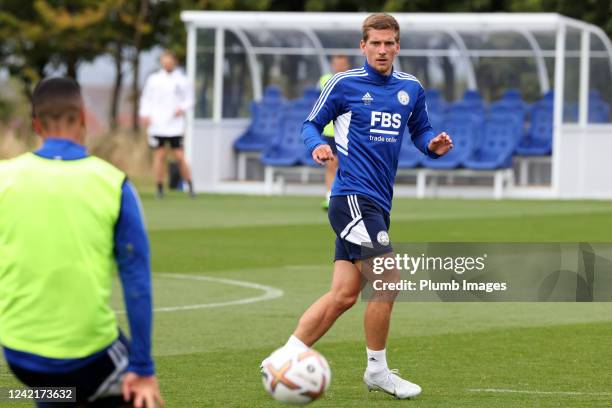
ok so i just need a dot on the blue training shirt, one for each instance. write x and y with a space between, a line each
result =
133 261
370 112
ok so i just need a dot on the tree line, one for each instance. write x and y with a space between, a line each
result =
41 35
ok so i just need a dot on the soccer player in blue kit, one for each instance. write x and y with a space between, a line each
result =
370 107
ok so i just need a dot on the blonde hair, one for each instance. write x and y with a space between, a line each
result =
380 21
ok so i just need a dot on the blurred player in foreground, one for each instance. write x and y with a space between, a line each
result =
370 107
166 97
69 220
339 63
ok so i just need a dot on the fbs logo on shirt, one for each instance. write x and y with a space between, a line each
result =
386 119
367 99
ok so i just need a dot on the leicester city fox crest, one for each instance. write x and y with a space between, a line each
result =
403 98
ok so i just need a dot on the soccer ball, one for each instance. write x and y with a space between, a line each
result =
295 376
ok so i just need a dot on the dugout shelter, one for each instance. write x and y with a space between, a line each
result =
233 57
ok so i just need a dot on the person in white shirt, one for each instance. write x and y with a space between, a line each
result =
166 96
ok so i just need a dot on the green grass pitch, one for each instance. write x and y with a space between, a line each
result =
462 354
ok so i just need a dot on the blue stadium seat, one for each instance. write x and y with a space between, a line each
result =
475 112
265 121
464 132
435 102
409 156
437 122
511 109
287 147
498 141
311 93
433 95
309 96
472 96
273 91
470 106
510 103
511 94
599 110
538 141
546 101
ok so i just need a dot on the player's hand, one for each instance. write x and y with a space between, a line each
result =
143 391
145 121
322 154
179 112
440 144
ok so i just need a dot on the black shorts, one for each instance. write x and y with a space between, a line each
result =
331 142
97 383
175 142
361 227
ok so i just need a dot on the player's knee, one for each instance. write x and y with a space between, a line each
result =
344 300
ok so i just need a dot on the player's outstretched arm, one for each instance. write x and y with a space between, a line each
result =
143 391
440 144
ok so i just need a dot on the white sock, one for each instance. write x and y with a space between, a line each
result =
377 360
294 342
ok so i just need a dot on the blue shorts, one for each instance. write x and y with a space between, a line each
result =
361 227
98 383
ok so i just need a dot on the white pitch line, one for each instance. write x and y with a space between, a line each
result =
505 391
269 293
